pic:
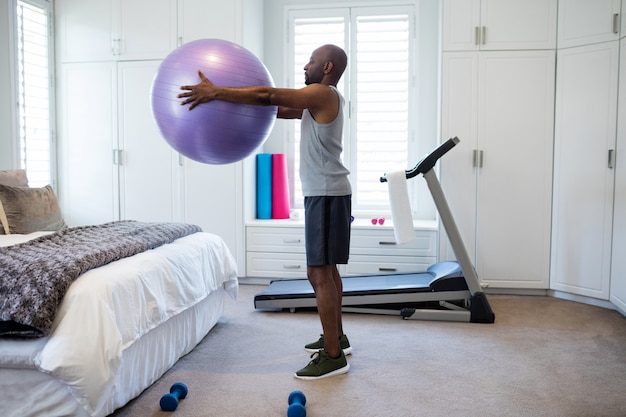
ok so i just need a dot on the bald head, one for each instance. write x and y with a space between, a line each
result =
327 64
337 57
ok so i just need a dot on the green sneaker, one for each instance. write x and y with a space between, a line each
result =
318 345
323 366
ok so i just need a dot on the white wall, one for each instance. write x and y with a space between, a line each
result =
6 92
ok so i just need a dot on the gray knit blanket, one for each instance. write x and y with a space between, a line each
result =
35 275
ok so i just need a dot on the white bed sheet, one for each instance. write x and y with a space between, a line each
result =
109 309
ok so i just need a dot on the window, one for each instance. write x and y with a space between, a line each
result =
34 90
378 85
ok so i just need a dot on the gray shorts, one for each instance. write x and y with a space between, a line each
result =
327 229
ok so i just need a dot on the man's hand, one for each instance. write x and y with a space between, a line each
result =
199 93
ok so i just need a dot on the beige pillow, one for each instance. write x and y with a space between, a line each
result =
14 178
30 210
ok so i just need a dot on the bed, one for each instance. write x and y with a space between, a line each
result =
118 327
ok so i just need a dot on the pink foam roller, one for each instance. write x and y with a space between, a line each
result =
280 187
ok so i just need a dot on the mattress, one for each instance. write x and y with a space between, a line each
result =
118 329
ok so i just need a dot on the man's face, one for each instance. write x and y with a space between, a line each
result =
314 70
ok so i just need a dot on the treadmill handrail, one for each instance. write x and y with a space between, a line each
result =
428 162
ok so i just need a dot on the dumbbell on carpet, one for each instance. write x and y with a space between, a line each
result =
178 391
296 401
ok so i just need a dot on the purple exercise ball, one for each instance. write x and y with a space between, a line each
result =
216 132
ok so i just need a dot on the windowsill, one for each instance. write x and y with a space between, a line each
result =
358 223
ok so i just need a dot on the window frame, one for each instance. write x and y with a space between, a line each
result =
362 9
19 157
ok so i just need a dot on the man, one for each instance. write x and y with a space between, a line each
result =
325 186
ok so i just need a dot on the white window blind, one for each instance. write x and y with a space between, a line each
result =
34 90
377 85
381 116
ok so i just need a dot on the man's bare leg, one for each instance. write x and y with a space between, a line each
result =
326 283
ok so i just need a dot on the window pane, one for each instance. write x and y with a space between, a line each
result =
382 100
34 92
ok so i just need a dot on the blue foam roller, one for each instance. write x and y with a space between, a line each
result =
264 186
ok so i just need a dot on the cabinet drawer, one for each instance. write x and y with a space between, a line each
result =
276 265
383 242
369 265
268 239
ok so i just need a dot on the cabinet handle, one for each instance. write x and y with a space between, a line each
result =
477 158
180 41
381 269
611 158
483 35
115 46
616 23
477 35
291 266
386 243
117 157
291 240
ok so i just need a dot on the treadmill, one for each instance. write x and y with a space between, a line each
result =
447 291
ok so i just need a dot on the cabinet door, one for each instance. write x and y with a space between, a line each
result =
515 24
197 19
498 181
84 29
461 25
459 115
618 263
499 24
515 140
212 200
146 29
87 134
585 131
149 170
587 22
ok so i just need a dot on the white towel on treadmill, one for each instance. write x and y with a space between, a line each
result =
400 207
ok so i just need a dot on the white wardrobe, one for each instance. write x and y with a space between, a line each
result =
588 217
498 98
113 163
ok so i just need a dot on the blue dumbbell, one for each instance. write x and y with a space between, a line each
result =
169 402
296 401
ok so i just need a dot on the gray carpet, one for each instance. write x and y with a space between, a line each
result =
542 357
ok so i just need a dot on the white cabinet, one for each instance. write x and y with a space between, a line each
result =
374 251
585 129
84 30
499 24
149 167
146 29
276 250
583 22
498 179
212 199
618 264
96 30
114 163
87 128
214 196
